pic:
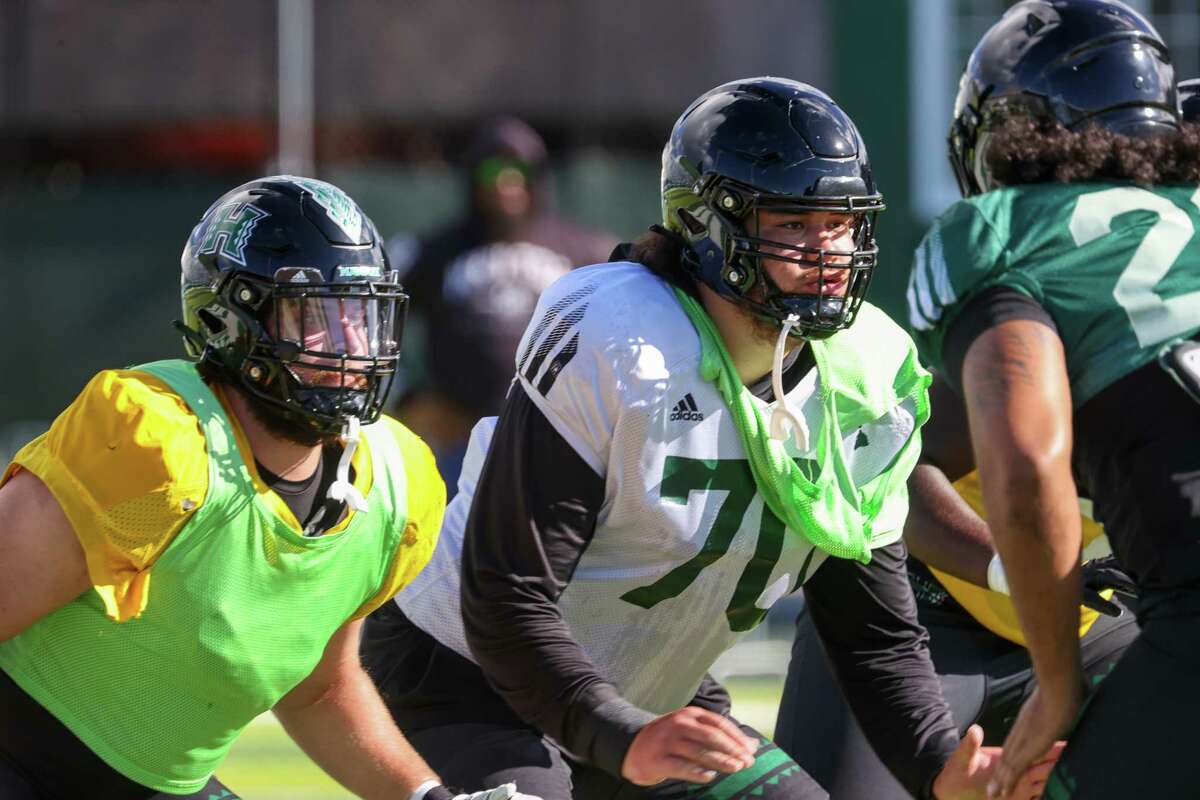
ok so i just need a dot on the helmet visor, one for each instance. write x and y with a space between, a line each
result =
334 334
334 327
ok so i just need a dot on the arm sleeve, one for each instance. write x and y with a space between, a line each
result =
962 253
987 310
533 515
128 464
426 498
867 619
712 696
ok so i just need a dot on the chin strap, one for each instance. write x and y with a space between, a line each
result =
782 417
342 490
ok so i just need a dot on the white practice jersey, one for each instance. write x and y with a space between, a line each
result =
685 558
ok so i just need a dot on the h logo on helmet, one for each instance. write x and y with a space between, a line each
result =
228 230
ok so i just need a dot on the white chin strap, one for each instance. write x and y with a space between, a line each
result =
782 417
342 489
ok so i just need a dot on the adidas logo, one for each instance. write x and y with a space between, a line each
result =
686 409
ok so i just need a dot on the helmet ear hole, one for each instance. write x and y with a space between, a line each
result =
210 320
694 226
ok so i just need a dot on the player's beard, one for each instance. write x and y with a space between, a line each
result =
286 427
765 330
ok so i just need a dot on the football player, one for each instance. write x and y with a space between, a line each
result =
694 431
975 639
191 544
1061 296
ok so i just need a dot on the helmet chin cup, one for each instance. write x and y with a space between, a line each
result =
334 404
817 316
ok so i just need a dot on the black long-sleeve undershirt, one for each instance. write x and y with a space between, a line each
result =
545 499
867 619
537 491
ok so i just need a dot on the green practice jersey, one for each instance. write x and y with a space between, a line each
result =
1117 267
243 605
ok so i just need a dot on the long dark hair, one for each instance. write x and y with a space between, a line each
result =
661 251
1027 150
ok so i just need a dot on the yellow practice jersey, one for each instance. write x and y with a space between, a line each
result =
127 462
993 610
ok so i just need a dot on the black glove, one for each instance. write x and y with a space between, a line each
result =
1105 573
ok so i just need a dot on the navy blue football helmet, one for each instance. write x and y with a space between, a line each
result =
769 143
288 294
1080 62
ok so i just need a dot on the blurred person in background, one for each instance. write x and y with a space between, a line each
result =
475 283
975 640
192 544
1061 298
632 514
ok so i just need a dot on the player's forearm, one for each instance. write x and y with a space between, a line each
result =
349 733
1038 540
943 531
1019 405
867 619
530 658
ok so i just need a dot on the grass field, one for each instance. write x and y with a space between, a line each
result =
265 765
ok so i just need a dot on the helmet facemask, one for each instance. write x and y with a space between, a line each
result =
316 352
839 278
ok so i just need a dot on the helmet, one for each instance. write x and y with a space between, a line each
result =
287 293
1189 100
768 143
1080 62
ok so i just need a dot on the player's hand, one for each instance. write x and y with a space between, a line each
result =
691 744
1100 574
505 791
972 766
1042 721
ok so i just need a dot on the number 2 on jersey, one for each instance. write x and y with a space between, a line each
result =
1154 319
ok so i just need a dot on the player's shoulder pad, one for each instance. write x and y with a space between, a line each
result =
123 408
961 248
419 461
878 364
874 338
128 435
612 324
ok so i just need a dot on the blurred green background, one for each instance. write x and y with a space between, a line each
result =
122 120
